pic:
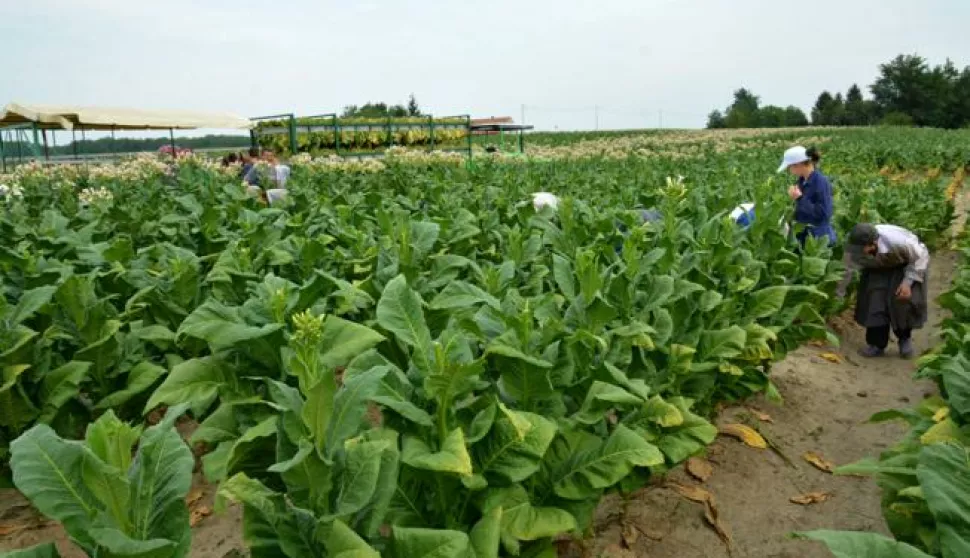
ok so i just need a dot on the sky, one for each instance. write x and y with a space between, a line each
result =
643 63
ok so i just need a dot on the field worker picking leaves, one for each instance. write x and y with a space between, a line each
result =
812 193
892 289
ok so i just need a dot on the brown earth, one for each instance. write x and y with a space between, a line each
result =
825 411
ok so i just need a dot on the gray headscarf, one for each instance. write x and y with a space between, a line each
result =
863 234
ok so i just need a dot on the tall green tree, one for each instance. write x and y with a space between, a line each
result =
743 112
715 120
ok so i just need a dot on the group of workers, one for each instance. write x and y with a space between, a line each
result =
272 192
892 295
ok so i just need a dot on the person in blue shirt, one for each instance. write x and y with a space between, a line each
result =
812 193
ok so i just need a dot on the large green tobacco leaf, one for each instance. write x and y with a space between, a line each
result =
460 294
160 477
722 344
269 527
850 544
140 378
60 386
451 458
343 340
581 465
514 446
429 543
360 475
196 382
399 312
222 326
48 471
106 507
521 521
350 405
244 453
486 535
342 542
29 303
944 476
764 303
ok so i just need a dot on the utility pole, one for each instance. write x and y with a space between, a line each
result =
596 117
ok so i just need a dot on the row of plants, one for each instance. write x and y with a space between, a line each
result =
925 478
396 361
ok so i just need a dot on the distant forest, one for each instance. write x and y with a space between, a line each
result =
128 145
908 92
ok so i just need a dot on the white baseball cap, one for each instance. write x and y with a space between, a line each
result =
544 199
793 156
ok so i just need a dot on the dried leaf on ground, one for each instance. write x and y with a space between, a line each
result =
744 433
194 495
198 514
831 357
694 493
763 417
630 535
817 343
818 461
11 527
810 498
711 516
699 468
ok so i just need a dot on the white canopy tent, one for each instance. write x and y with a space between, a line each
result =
31 122
104 118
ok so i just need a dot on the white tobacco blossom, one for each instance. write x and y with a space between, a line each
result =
9 192
89 196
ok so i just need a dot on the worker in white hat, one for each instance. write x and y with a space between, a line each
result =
812 193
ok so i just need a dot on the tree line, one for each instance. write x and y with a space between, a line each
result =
907 92
107 145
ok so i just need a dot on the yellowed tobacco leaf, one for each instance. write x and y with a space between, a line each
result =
744 433
694 493
941 414
699 468
818 461
810 498
198 514
831 357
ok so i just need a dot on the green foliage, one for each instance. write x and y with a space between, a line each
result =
110 502
412 358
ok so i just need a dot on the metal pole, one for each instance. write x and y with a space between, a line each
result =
83 140
336 135
521 141
3 154
292 135
47 152
20 146
74 143
171 134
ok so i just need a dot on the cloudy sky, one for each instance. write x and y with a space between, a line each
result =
560 58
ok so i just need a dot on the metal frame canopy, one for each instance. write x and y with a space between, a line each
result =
49 117
501 128
22 122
